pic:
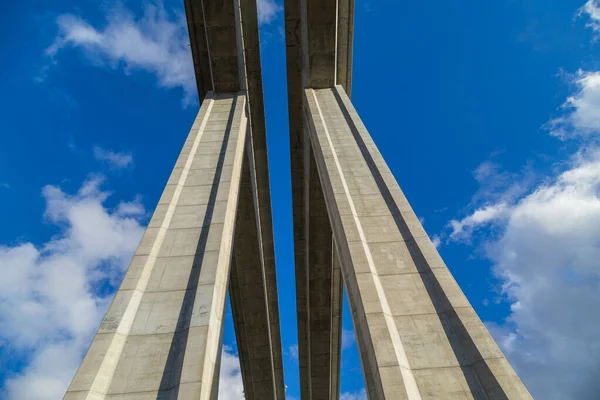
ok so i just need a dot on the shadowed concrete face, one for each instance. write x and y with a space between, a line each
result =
418 335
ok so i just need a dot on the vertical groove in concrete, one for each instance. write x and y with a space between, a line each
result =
161 335
418 335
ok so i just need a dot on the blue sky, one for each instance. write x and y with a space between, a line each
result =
488 113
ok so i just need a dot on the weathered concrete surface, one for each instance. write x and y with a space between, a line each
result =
419 338
161 337
319 54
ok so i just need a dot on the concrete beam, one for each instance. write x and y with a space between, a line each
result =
161 337
417 334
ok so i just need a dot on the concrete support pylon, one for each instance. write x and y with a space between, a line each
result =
259 345
418 336
161 337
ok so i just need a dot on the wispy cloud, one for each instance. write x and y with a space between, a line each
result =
360 395
581 119
112 158
157 43
463 229
267 11
348 338
4 186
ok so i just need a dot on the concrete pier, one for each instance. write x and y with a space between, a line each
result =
418 336
211 231
161 337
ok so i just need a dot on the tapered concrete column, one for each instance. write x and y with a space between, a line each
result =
259 346
319 286
161 338
418 336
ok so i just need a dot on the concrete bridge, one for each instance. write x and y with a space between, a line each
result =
418 336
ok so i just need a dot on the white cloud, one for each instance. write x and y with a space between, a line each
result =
437 241
360 395
50 306
4 186
582 118
545 249
231 386
592 10
267 10
156 43
114 159
498 191
463 229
